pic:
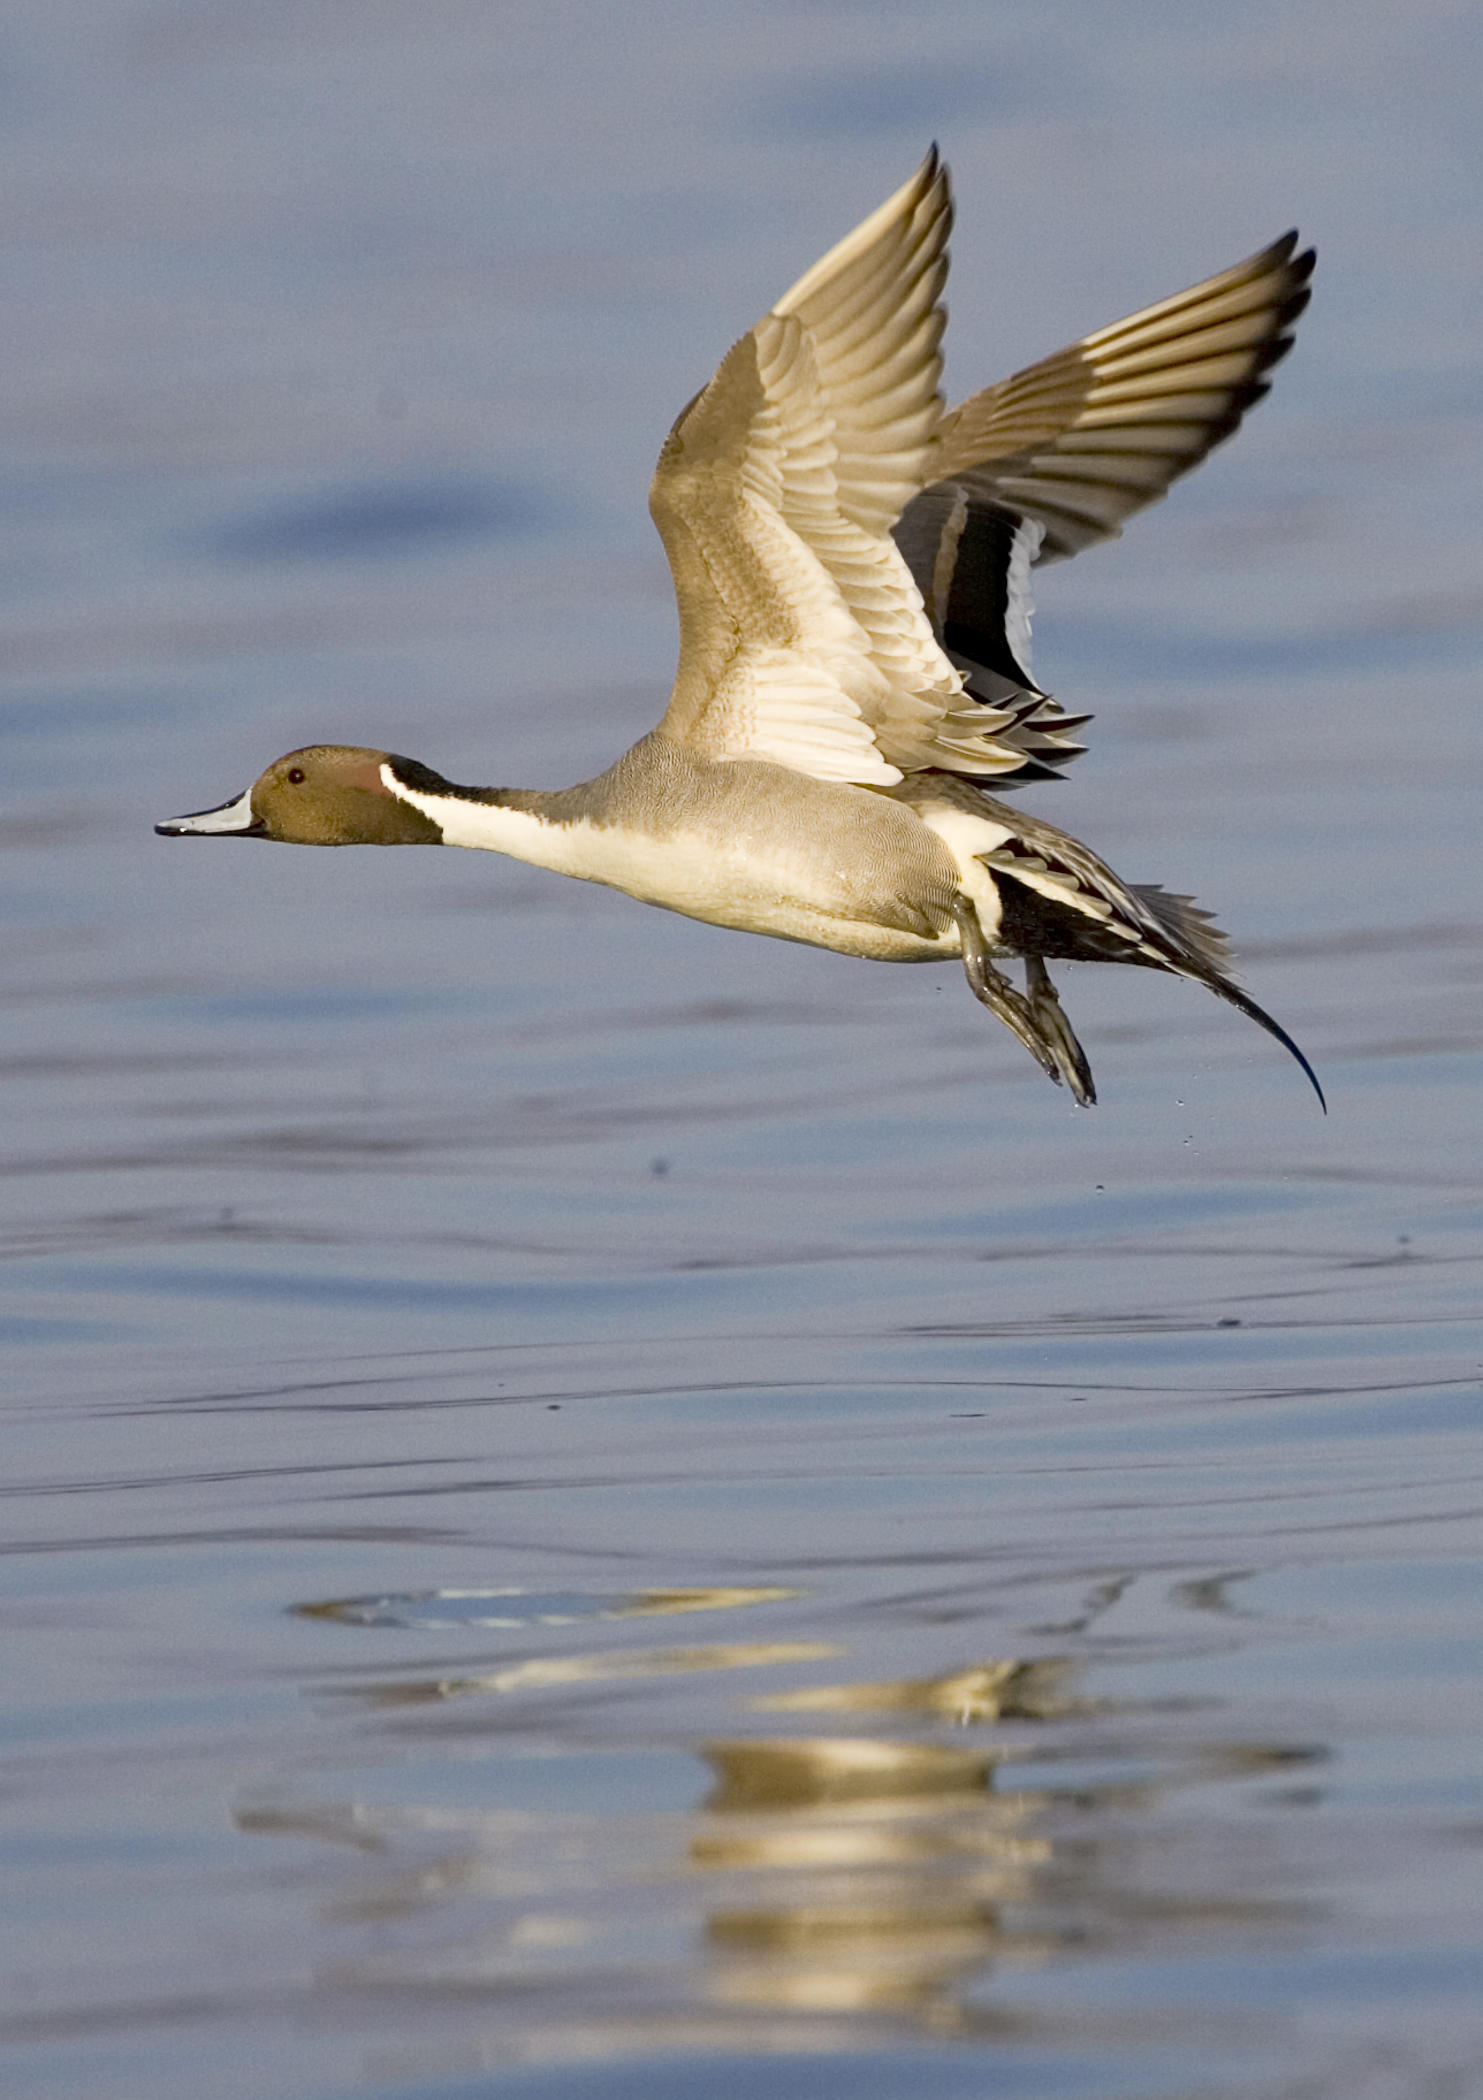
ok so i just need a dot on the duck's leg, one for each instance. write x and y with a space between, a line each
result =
994 990
1056 1031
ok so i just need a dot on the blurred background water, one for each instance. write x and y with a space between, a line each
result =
593 1506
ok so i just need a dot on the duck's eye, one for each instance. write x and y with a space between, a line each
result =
295 776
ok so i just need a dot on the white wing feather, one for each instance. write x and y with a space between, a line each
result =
803 637
808 635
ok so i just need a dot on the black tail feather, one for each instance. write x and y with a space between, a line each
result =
1244 1003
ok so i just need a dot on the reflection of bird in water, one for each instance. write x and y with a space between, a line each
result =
873 1874
993 1691
852 568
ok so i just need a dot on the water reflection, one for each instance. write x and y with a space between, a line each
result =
886 1865
819 1880
1002 1691
809 1774
542 1671
514 1607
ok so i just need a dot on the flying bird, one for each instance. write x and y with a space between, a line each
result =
852 566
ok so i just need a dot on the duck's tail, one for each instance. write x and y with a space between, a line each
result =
1198 949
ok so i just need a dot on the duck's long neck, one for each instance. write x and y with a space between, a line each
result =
550 829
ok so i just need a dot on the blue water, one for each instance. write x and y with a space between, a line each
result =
598 1507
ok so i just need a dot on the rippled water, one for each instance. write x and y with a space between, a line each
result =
592 1506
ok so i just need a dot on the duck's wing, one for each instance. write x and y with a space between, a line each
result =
1083 439
1056 457
802 634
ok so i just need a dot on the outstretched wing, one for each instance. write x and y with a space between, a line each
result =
802 634
1055 458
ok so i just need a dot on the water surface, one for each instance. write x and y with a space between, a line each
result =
595 1507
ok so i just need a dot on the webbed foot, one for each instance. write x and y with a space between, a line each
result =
1056 1031
1037 1020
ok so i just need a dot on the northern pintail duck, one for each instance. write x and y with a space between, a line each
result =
852 568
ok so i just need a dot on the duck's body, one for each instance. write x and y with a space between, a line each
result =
851 567
738 842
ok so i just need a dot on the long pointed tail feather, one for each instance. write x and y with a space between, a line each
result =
1200 950
1244 1003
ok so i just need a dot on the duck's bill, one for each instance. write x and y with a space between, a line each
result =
230 820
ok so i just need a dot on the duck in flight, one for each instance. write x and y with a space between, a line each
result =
852 566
